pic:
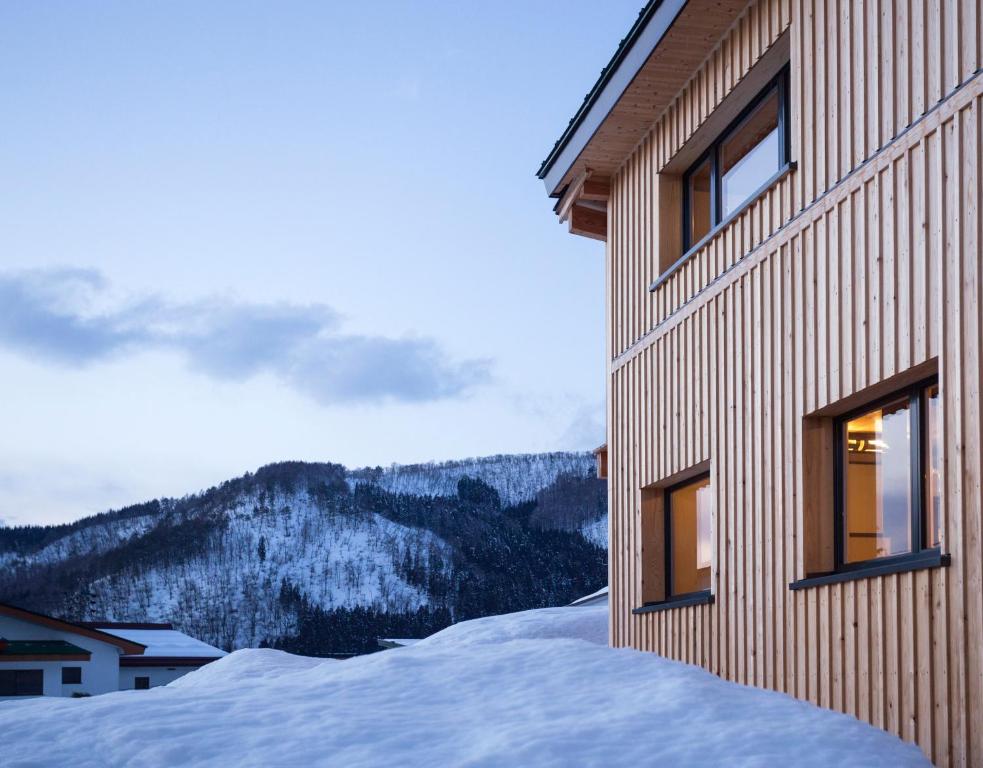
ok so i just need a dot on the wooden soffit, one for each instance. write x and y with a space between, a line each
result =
648 71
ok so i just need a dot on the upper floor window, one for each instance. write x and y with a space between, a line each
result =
888 497
743 160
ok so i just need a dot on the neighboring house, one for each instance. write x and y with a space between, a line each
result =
387 643
594 598
44 656
168 654
789 193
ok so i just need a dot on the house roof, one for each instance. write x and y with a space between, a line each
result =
161 643
43 650
601 596
594 95
660 53
126 646
396 642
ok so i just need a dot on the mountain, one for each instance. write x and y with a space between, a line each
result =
320 559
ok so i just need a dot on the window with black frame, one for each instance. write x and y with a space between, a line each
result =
71 675
887 475
742 161
689 515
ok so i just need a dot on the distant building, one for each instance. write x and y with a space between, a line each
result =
168 654
594 598
45 656
396 642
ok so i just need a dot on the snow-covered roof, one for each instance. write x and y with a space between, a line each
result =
601 596
165 642
397 642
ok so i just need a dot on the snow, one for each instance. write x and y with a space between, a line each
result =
166 642
537 688
224 595
596 532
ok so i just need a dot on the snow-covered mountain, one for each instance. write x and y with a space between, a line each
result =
516 477
320 558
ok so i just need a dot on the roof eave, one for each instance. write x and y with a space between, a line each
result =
124 646
644 37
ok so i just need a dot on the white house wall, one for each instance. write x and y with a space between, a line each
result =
99 675
157 675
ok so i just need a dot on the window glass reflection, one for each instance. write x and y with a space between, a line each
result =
750 155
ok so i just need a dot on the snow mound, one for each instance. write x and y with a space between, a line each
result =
588 623
529 689
249 665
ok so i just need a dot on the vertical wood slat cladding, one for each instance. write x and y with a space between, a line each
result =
862 72
858 265
730 380
633 237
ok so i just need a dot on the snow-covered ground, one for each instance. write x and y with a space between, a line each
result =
537 688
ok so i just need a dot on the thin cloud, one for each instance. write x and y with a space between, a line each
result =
60 316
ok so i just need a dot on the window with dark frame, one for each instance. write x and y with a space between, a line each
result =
141 683
21 682
71 675
688 521
739 164
887 468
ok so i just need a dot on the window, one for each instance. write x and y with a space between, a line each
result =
739 164
887 479
689 512
141 683
71 675
21 682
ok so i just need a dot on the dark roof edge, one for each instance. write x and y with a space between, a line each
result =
167 661
111 625
614 77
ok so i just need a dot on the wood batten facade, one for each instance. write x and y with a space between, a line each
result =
851 274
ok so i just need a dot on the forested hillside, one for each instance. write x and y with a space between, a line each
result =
319 559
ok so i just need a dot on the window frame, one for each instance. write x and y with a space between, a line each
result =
137 680
74 670
670 595
915 394
780 84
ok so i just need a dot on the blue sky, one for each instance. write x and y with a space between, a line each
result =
236 233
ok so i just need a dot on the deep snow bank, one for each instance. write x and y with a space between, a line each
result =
530 689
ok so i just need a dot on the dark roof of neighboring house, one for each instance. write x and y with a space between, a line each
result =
589 116
167 661
15 612
124 625
42 650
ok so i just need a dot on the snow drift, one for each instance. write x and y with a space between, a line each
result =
536 688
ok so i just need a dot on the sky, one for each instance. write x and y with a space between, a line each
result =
239 233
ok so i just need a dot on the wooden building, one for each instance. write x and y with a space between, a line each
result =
789 194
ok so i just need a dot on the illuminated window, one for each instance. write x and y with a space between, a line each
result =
888 473
689 515
740 164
